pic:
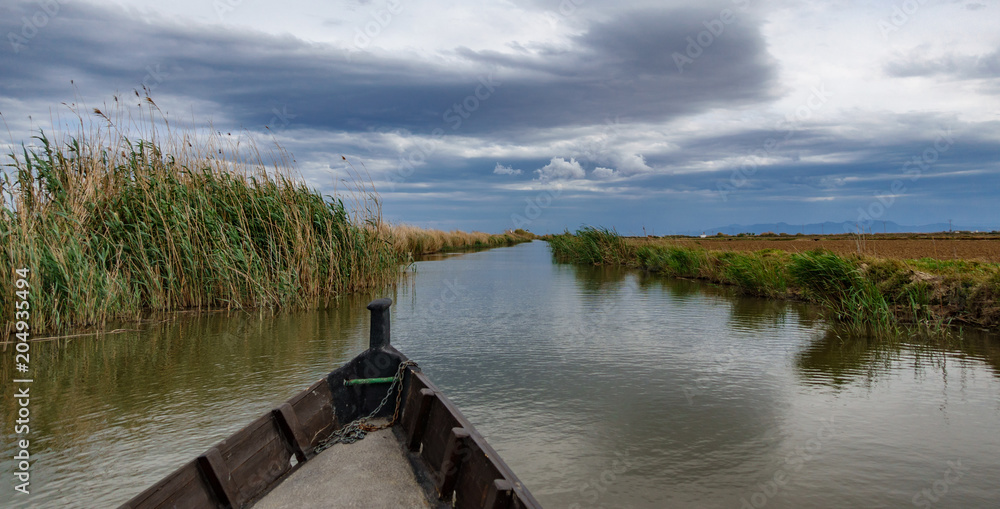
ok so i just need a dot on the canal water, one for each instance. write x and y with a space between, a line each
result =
600 387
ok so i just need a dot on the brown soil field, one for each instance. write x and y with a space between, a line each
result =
983 248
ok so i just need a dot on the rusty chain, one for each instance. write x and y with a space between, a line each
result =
359 428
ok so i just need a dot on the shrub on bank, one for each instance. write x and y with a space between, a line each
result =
863 294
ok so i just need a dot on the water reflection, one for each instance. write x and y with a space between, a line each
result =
837 360
113 414
566 370
681 289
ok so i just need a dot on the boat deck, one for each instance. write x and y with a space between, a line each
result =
373 472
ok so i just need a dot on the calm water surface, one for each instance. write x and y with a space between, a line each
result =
600 387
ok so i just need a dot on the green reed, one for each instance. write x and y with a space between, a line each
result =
112 227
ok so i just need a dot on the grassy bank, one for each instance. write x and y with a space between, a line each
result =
862 294
966 246
126 215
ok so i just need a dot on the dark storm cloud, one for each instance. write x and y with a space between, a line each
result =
621 67
607 95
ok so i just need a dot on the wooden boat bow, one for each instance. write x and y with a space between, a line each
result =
452 463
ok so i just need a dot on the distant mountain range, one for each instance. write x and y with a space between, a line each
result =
833 227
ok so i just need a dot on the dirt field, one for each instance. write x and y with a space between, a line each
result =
985 248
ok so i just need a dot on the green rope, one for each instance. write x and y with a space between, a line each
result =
359 381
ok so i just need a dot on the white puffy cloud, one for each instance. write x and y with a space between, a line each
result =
604 173
559 168
631 164
505 170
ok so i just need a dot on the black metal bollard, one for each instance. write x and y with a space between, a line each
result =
380 322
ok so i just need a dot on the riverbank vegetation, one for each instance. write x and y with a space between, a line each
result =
124 215
957 245
415 241
863 294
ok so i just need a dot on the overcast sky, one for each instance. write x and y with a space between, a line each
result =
658 115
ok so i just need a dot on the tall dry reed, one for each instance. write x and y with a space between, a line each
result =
415 241
127 215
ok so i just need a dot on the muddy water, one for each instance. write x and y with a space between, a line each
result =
600 387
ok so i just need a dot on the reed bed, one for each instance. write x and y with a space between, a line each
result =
864 295
112 226
413 240
121 215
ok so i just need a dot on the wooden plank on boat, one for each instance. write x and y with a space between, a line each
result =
288 423
455 453
439 425
314 410
257 456
217 473
499 494
470 466
415 415
476 480
184 488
